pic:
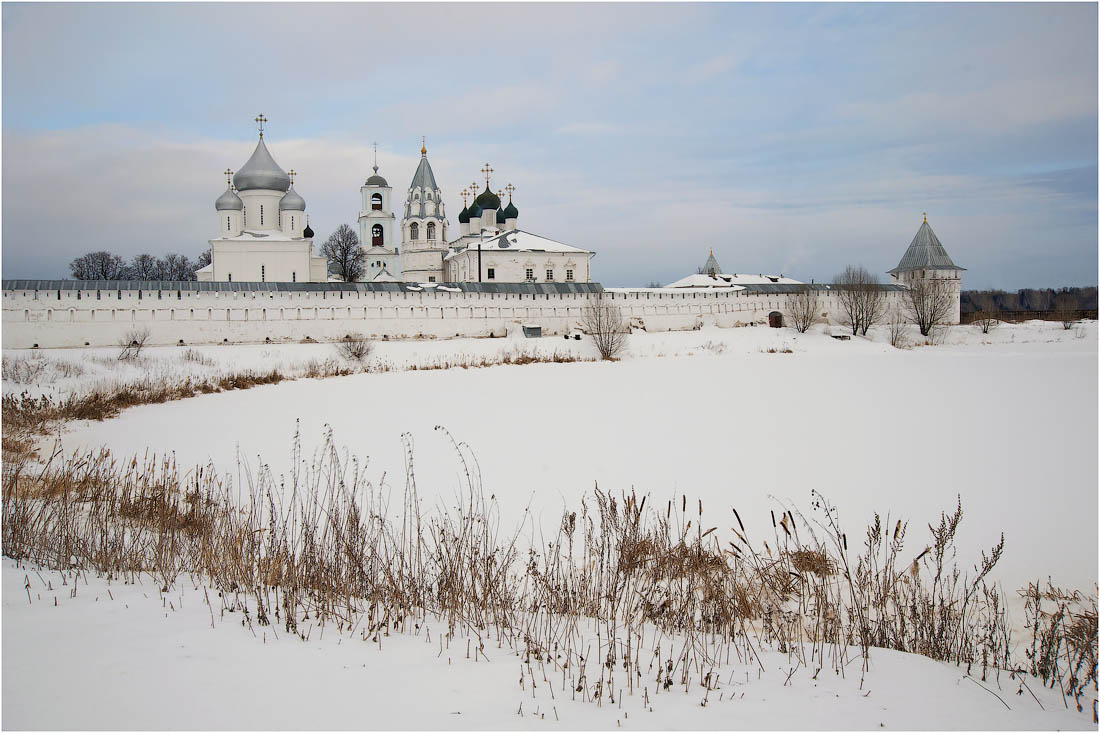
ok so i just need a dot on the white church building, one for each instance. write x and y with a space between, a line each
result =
264 235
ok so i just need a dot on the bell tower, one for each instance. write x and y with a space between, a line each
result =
376 228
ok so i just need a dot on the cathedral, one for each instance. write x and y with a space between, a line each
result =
264 234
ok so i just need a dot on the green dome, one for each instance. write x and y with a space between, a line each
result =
509 212
464 216
474 210
488 200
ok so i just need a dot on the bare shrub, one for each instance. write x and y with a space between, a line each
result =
603 320
897 331
803 308
929 303
1065 309
986 321
132 343
196 357
355 348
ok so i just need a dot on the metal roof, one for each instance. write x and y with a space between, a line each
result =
368 287
925 253
261 172
424 178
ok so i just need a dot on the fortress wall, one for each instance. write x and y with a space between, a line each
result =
52 318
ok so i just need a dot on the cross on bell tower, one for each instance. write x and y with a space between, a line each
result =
376 158
292 173
261 119
228 177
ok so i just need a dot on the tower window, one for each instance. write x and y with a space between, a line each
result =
261 214
376 235
431 230
292 223
263 273
376 202
414 231
227 227
428 195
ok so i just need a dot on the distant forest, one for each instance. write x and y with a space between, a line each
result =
1029 299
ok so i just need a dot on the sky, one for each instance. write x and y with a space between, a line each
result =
791 139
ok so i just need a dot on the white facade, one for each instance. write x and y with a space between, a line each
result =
516 256
263 235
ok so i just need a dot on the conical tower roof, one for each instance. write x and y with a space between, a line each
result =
711 267
261 172
424 178
925 253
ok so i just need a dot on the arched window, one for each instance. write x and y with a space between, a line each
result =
431 230
376 202
376 235
414 231
428 195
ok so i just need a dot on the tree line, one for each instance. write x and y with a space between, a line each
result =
103 265
1028 299
345 259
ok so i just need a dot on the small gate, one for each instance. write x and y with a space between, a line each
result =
775 319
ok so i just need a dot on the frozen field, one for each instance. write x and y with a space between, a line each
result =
1007 420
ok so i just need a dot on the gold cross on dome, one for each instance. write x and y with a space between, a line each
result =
488 172
926 217
473 188
261 119
228 177
465 194
423 145
510 189
292 173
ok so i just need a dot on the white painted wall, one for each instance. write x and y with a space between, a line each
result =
102 318
512 266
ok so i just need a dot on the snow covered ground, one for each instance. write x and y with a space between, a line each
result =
128 657
1007 420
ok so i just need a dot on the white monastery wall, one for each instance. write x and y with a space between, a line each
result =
52 318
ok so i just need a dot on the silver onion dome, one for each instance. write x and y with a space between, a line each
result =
292 202
261 172
229 201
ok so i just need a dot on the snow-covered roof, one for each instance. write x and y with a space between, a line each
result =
384 276
730 280
516 240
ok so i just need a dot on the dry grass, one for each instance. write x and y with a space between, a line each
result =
331 547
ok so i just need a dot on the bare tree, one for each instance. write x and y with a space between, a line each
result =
345 257
204 259
98 266
355 347
862 299
603 320
928 303
145 267
803 308
132 343
176 267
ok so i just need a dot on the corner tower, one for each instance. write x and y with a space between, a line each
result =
926 260
424 226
